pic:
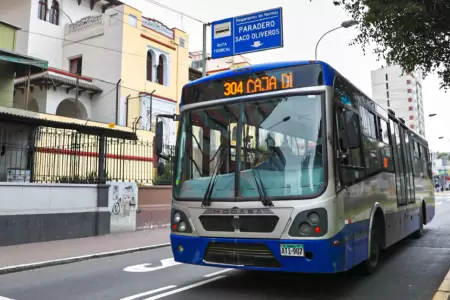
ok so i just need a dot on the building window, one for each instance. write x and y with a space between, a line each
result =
54 13
408 81
387 77
160 70
43 10
132 20
410 108
411 117
198 64
387 85
409 99
149 65
75 65
409 90
182 43
412 126
387 94
389 103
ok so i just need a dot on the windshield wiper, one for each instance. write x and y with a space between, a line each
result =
212 182
261 188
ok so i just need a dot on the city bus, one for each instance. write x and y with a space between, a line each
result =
289 167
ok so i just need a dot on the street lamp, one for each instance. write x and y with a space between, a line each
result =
345 24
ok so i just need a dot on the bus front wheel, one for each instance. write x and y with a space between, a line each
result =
371 264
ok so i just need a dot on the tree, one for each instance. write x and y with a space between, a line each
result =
412 33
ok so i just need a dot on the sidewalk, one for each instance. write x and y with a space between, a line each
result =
28 256
443 292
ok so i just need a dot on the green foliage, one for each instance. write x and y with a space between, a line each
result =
166 177
411 33
443 155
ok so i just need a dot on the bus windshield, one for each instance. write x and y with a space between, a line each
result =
280 138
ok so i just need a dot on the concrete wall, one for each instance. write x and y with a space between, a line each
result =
98 62
122 203
7 37
154 207
140 40
43 212
17 13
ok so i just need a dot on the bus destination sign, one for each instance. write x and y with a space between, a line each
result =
252 85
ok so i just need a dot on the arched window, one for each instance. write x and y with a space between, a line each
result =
149 65
160 70
54 13
43 10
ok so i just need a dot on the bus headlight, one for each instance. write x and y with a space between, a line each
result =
310 223
314 218
305 229
177 217
182 227
180 222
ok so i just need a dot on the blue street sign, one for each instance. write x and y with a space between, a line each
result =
254 32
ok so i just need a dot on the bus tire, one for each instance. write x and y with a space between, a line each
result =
419 232
370 265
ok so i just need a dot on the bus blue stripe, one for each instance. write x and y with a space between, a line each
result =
327 258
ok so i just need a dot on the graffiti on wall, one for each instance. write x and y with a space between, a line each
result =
123 202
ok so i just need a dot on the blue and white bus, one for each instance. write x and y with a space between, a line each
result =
289 167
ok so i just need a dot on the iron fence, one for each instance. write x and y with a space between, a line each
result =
53 155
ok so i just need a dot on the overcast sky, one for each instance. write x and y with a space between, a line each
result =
304 23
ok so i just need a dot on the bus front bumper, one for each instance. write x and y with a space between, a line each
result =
319 256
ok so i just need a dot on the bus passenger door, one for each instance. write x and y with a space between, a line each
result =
398 163
406 145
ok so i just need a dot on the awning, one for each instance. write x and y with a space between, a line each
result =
14 115
51 79
23 62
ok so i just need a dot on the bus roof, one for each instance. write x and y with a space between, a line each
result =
328 71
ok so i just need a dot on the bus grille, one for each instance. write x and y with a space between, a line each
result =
262 224
255 255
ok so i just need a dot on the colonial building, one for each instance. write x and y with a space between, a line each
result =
107 61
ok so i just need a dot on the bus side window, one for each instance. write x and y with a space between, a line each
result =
350 159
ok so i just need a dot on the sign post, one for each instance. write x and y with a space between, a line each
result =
253 32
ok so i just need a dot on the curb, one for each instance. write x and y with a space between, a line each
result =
63 261
443 292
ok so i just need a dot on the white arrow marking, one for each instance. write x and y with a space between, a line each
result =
142 268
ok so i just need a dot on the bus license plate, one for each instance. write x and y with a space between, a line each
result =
292 250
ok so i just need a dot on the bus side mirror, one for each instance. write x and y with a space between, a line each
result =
353 130
159 137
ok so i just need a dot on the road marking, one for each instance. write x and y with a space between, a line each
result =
218 272
165 263
4 298
439 203
69 260
185 288
147 293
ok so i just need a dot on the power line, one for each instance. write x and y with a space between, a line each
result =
93 46
175 11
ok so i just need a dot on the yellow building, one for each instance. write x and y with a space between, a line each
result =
157 74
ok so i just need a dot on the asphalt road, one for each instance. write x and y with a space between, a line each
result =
413 269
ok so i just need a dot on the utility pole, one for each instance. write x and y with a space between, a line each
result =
204 55
76 96
117 101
